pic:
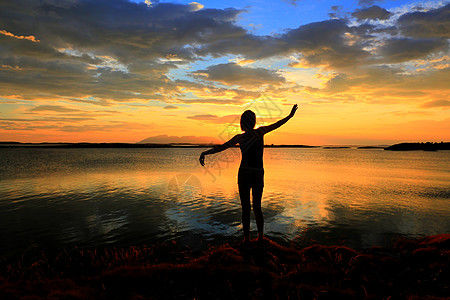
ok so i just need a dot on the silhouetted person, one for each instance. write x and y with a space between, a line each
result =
251 170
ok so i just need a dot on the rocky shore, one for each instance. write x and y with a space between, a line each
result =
412 269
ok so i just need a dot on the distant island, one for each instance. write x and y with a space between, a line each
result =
290 146
419 146
371 147
337 147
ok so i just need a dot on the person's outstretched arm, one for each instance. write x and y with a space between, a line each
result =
218 148
269 128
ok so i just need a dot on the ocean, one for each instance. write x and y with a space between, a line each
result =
51 198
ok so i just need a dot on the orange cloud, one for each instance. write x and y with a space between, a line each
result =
16 68
245 62
20 37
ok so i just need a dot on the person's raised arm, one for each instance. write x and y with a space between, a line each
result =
218 148
269 128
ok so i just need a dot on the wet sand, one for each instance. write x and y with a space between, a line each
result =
412 269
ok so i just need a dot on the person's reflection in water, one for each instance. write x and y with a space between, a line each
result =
251 170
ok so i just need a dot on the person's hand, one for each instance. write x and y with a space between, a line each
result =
202 159
293 110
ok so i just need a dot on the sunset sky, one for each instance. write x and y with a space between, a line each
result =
362 71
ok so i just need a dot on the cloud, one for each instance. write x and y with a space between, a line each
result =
291 2
436 103
49 119
170 107
216 119
69 124
234 74
323 44
93 101
382 85
120 51
135 29
110 50
54 108
203 117
337 83
406 49
20 37
372 13
431 24
210 101
196 6
367 2
337 12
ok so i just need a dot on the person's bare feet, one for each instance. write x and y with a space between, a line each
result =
261 239
246 244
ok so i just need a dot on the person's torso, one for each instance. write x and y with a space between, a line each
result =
252 149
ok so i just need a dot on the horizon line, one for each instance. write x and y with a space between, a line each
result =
193 145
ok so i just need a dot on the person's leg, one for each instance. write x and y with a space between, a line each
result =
257 195
244 194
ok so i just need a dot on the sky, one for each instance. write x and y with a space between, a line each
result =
362 72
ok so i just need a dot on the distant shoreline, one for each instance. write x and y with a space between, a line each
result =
428 146
127 145
419 146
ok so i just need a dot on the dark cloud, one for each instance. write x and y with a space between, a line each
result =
170 107
367 2
372 13
203 117
215 119
253 47
235 74
50 119
337 12
292 2
324 44
385 85
54 108
68 125
107 49
210 101
431 24
100 102
319 43
134 29
436 103
338 83
404 49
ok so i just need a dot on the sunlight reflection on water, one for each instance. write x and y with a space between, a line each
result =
91 197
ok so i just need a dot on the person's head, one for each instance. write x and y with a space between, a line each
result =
248 120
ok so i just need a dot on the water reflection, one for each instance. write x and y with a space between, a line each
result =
51 197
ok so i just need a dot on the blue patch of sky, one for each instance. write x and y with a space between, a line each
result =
6 109
184 72
9 106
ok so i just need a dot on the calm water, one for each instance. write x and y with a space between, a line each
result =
54 198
